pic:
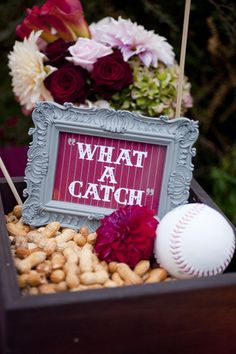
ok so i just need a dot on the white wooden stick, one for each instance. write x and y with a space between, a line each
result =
10 182
182 57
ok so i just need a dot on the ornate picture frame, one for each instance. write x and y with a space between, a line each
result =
78 157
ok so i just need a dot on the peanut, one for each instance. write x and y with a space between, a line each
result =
33 291
86 261
101 276
128 275
71 255
25 265
50 246
31 245
91 238
88 246
104 265
112 266
12 239
84 231
142 267
41 229
35 237
75 247
17 229
90 278
78 288
45 267
46 289
117 279
110 284
146 276
17 211
57 276
60 286
61 246
97 267
22 280
22 252
95 259
17 261
32 278
25 252
51 229
21 242
94 286
66 235
157 275
35 278
100 266
72 279
79 239
58 260
11 218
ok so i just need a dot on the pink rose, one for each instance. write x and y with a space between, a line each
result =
86 51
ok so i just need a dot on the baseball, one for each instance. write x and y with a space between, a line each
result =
194 240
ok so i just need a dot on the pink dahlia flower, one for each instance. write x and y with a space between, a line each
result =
133 39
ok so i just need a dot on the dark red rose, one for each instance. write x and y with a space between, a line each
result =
111 74
56 52
67 84
127 235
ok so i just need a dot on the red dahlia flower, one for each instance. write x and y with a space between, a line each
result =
127 235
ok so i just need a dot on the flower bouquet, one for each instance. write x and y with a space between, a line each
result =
112 63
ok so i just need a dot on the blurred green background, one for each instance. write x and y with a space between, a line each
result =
210 66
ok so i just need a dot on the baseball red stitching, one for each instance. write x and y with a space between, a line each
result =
175 246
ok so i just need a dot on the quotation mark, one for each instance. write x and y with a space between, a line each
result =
71 141
150 191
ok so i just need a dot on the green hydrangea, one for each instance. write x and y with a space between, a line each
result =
153 92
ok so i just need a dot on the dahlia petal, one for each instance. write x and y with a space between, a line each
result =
147 59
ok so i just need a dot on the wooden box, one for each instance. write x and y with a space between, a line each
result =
184 316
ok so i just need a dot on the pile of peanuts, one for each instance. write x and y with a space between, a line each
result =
53 259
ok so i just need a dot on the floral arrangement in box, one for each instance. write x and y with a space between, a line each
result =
112 63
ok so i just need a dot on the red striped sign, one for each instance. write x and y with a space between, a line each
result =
108 173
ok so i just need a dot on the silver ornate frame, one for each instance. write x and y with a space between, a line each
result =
178 135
